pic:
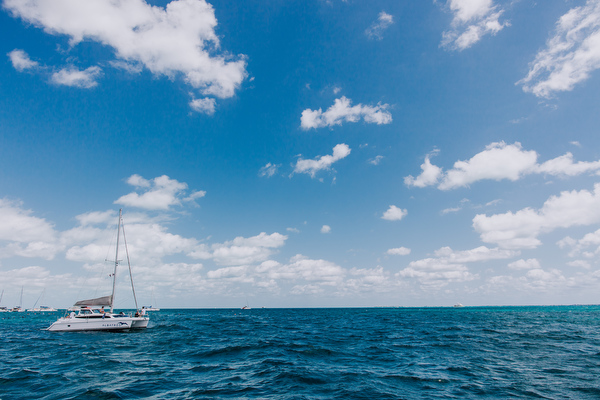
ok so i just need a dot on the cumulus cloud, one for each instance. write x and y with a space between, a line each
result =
241 251
588 246
472 20
311 167
430 175
204 106
325 229
25 235
342 111
303 268
448 265
178 40
394 213
74 77
157 194
521 229
399 251
497 162
570 56
21 61
531 263
375 31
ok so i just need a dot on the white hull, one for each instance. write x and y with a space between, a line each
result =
110 322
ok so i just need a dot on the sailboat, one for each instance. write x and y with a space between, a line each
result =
19 308
151 308
41 308
89 315
2 308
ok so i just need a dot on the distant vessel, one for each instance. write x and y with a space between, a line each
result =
150 308
41 308
458 305
2 308
19 308
89 315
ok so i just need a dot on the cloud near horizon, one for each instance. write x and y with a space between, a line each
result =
520 230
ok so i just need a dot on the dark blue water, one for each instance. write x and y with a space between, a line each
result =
382 353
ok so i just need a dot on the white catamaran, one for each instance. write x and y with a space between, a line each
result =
89 315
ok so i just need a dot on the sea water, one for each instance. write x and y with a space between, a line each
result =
368 353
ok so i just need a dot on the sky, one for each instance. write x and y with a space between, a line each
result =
313 153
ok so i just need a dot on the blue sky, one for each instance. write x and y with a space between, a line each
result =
302 153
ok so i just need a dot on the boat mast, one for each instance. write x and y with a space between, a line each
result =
112 297
129 265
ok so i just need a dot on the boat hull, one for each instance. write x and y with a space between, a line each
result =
74 324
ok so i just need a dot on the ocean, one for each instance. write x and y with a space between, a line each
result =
358 353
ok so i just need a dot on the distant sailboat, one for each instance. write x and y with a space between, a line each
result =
19 308
90 314
246 307
151 308
41 308
2 308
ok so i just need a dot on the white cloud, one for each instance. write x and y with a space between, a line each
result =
588 246
21 61
179 39
311 167
342 111
499 161
472 20
521 229
25 235
159 193
268 170
580 264
303 268
399 251
375 31
531 263
570 55
325 229
74 77
376 160
204 106
448 265
565 166
451 210
430 175
535 280
147 242
394 214
241 251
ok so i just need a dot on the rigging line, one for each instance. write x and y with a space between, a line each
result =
129 265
